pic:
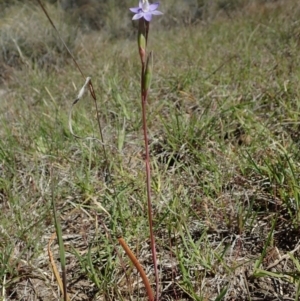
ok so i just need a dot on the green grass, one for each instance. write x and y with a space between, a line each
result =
223 121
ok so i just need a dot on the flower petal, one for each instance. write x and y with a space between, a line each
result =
153 6
156 12
140 4
148 16
135 9
138 16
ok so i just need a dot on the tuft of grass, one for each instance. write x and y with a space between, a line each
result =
21 49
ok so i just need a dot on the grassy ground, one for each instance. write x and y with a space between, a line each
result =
223 120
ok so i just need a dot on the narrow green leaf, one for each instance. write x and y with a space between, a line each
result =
60 243
222 294
148 72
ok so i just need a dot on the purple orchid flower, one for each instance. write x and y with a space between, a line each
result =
145 10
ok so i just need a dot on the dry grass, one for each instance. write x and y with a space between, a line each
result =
223 120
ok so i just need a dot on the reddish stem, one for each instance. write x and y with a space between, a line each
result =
138 266
144 29
148 184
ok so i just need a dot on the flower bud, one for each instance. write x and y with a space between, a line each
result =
142 40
